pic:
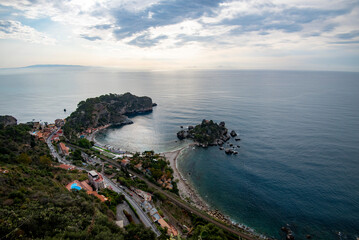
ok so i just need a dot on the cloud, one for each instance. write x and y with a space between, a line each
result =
145 40
161 14
91 38
10 29
159 28
349 35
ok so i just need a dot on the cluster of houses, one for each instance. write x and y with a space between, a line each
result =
163 181
146 199
42 130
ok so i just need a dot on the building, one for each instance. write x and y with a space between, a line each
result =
77 185
145 195
96 180
171 230
64 149
125 162
66 167
59 122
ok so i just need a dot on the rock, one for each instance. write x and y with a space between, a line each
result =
231 145
221 148
235 152
290 237
233 133
181 126
220 142
222 124
228 151
237 139
7 120
182 135
190 127
154 104
226 138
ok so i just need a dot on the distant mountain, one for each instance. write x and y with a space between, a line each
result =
51 65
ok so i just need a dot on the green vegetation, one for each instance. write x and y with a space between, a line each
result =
206 133
156 168
103 110
34 204
113 198
84 143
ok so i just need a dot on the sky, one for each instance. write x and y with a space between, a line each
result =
181 34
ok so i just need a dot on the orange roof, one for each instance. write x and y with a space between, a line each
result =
88 189
64 148
163 223
64 166
86 186
170 229
101 197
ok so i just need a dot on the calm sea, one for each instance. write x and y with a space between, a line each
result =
298 161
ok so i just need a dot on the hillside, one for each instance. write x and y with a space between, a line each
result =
106 109
34 204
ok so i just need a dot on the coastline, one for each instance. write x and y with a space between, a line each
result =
186 191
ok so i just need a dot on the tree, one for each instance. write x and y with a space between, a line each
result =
24 158
84 143
45 160
139 232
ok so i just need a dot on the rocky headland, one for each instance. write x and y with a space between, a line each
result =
7 121
109 109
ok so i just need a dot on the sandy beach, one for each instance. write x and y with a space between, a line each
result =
186 191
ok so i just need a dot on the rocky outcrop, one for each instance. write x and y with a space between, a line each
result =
233 133
107 109
7 121
208 133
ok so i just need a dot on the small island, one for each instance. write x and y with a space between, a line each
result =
208 133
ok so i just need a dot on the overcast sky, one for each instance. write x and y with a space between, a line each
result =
182 34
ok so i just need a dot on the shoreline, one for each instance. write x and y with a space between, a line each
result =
187 192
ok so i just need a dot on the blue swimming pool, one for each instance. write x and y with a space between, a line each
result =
74 186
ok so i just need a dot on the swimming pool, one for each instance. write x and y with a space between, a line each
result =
74 186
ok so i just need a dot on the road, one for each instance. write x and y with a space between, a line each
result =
53 151
184 205
142 215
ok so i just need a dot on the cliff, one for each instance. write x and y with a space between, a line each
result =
106 109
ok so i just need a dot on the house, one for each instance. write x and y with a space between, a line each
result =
139 166
66 167
59 122
125 162
64 149
170 229
145 195
96 180
77 185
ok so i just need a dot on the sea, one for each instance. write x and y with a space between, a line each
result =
298 158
